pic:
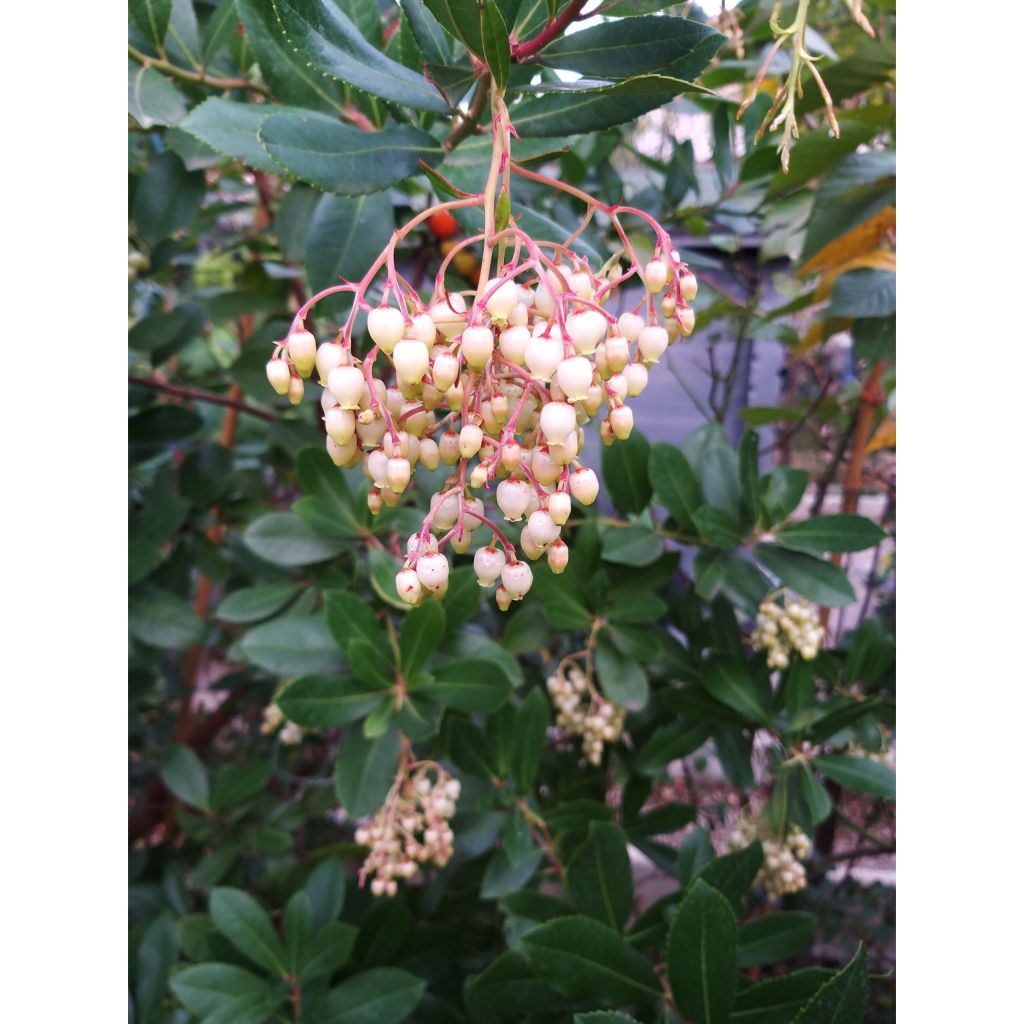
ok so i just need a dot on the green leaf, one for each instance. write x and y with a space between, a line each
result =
325 37
621 679
253 604
701 956
283 539
675 484
672 741
776 1001
421 634
329 949
430 36
600 877
662 821
717 527
531 725
152 98
843 999
208 988
781 491
494 36
234 784
461 18
728 680
166 198
587 960
318 702
504 875
151 17
721 126
624 469
365 770
821 535
864 292
774 937
230 128
292 646
733 874
858 773
382 995
631 545
471 684
325 484
326 887
621 49
694 852
247 926
510 986
350 618
681 177
158 952
814 795
334 157
162 619
297 927
818 581
287 72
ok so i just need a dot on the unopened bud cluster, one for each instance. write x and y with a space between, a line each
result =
781 873
583 712
784 628
273 719
495 384
410 829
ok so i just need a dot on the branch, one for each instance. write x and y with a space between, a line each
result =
467 122
551 31
198 395
196 77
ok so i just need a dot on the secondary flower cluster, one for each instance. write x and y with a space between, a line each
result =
495 384
781 872
410 829
582 711
273 719
785 628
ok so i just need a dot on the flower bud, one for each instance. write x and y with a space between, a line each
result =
411 359
581 283
652 343
686 320
449 447
449 315
445 508
487 564
409 587
477 346
530 547
559 507
511 455
503 599
544 300
543 529
279 375
688 286
513 498
621 420
574 377
295 390
586 330
616 351
668 305
371 431
329 355
544 352
512 343
340 424
422 329
655 275
564 453
302 351
374 501
558 557
376 467
557 421
517 578
445 371
453 396
432 570
520 315
583 485
636 378
478 478
470 439
544 467
592 403
629 325
460 544
502 297
341 454
347 385
616 386
398 473
430 455
328 401
386 326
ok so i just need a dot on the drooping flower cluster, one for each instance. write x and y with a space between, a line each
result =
410 828
781 872
785 628
273 719
584 712
495 384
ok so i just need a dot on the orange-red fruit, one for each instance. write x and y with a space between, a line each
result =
443 225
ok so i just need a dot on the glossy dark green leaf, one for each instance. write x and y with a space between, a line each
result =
381 995
624 470
326 38
252 604
587 960
332 503
600 877
291 646
494 37
694 852
282 538
681 175
337 158
153 99
821 535
813 794
317 702
670 742
421 634
431 38
843 999
166 198
733 873
864 292
248 927
365 770
234 784
729 680
230 128
326 887
328 950
471 684
717 526
503 874
210 988
781 491
154 430
157 953
620 678
858 773
675 484
776 1001
151 17
508 984
165 620
817 580
774 937
531 725
701 955
631 545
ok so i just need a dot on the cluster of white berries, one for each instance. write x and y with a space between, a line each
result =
498 389
583 712
781 872
785 628
273 719
410 828
886 756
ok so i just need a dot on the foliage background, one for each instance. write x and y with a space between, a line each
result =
244 544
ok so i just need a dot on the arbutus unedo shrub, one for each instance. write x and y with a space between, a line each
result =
496 384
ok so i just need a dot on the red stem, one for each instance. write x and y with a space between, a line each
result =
551 31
